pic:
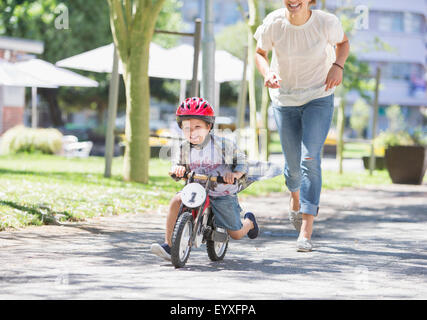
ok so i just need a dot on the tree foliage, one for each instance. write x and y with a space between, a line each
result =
88 28
360 116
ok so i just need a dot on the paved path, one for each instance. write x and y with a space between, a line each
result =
369 243
349 165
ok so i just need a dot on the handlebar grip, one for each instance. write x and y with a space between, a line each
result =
175 177
220 179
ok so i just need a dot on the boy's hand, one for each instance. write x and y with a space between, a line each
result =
179 171
230 176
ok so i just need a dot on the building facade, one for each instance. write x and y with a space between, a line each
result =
12 99
393 38
401 27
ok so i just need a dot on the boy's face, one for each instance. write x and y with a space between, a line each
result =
195 130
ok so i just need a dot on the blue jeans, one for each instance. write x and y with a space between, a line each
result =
303 131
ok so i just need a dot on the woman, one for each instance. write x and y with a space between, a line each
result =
304 71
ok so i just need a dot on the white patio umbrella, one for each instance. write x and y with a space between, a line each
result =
178 65
96 60
175 63
37 73
179 62
101 59
49 73
12 75
59 77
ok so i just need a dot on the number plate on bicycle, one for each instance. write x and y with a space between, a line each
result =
193 195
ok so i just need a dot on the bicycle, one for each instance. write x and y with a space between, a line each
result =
196 222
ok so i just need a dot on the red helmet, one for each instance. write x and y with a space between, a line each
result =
195 108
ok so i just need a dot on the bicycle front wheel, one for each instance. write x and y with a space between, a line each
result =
181 237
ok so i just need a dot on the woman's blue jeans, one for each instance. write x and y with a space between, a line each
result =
303 131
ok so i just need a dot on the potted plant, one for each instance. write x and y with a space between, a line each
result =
405 155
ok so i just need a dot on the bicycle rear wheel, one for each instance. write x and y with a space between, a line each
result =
216 250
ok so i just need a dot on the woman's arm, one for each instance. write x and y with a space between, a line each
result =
335 74
342 51
271 79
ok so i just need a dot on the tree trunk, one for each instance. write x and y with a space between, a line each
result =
51 97
137 152
132 25
340 133
265 132
252 23
253 148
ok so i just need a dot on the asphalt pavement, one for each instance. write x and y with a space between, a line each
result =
369 243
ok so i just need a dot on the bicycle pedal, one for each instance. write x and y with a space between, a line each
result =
207 233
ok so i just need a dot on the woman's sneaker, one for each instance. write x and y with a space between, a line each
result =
304 245
295 217
163 251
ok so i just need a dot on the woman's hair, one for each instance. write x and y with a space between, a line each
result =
312 3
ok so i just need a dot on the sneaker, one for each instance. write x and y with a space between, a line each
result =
163 251
295 217
253 233
304 245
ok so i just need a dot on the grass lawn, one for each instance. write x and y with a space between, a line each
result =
356 150
38 189
352 150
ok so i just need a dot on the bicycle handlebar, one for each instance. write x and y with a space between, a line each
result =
218 179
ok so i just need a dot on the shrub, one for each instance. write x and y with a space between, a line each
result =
388 139
360 116
22 139
420 137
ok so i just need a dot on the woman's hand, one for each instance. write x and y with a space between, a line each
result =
334 77
271 80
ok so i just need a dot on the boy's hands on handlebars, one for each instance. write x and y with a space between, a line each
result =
179 171
230 176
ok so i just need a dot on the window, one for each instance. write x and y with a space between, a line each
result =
413 23
400 71
390 21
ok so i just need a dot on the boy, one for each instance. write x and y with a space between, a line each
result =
205 153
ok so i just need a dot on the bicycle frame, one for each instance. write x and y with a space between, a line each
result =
198 212
196 206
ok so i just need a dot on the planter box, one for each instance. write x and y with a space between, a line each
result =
406 164
379 163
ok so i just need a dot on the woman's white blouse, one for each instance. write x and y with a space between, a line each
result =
302 55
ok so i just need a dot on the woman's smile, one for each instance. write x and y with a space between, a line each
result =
294 7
